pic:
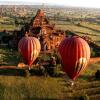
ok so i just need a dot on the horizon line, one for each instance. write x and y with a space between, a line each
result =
45 4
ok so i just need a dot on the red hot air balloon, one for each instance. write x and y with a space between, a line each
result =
29 47
75 55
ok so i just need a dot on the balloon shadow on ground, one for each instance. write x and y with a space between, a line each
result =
19 72
25 72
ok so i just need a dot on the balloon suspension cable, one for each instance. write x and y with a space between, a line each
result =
29 67
71 83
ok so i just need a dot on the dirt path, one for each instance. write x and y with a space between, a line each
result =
94 60
8 67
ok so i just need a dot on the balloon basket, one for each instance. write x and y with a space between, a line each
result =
27 73
23 72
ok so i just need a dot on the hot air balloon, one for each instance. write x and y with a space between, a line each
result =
75 55
29 47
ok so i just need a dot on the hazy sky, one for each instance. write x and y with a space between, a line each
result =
81 3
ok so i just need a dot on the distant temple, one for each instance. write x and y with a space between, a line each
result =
40 27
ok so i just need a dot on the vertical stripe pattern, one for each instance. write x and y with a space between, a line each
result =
75 55
29 47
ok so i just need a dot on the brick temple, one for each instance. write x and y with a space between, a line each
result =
41 28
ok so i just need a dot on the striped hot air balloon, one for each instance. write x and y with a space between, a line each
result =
75 55
29 47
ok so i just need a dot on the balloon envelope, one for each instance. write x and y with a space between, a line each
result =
75 55
29 47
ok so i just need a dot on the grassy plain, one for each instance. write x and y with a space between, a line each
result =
92 29
13 86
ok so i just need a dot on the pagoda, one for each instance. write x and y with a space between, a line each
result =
41 28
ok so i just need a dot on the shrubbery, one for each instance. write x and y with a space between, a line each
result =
97 74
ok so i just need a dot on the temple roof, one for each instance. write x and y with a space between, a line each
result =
40 19
40 13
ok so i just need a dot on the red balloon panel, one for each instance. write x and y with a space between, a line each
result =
29 47
75 54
